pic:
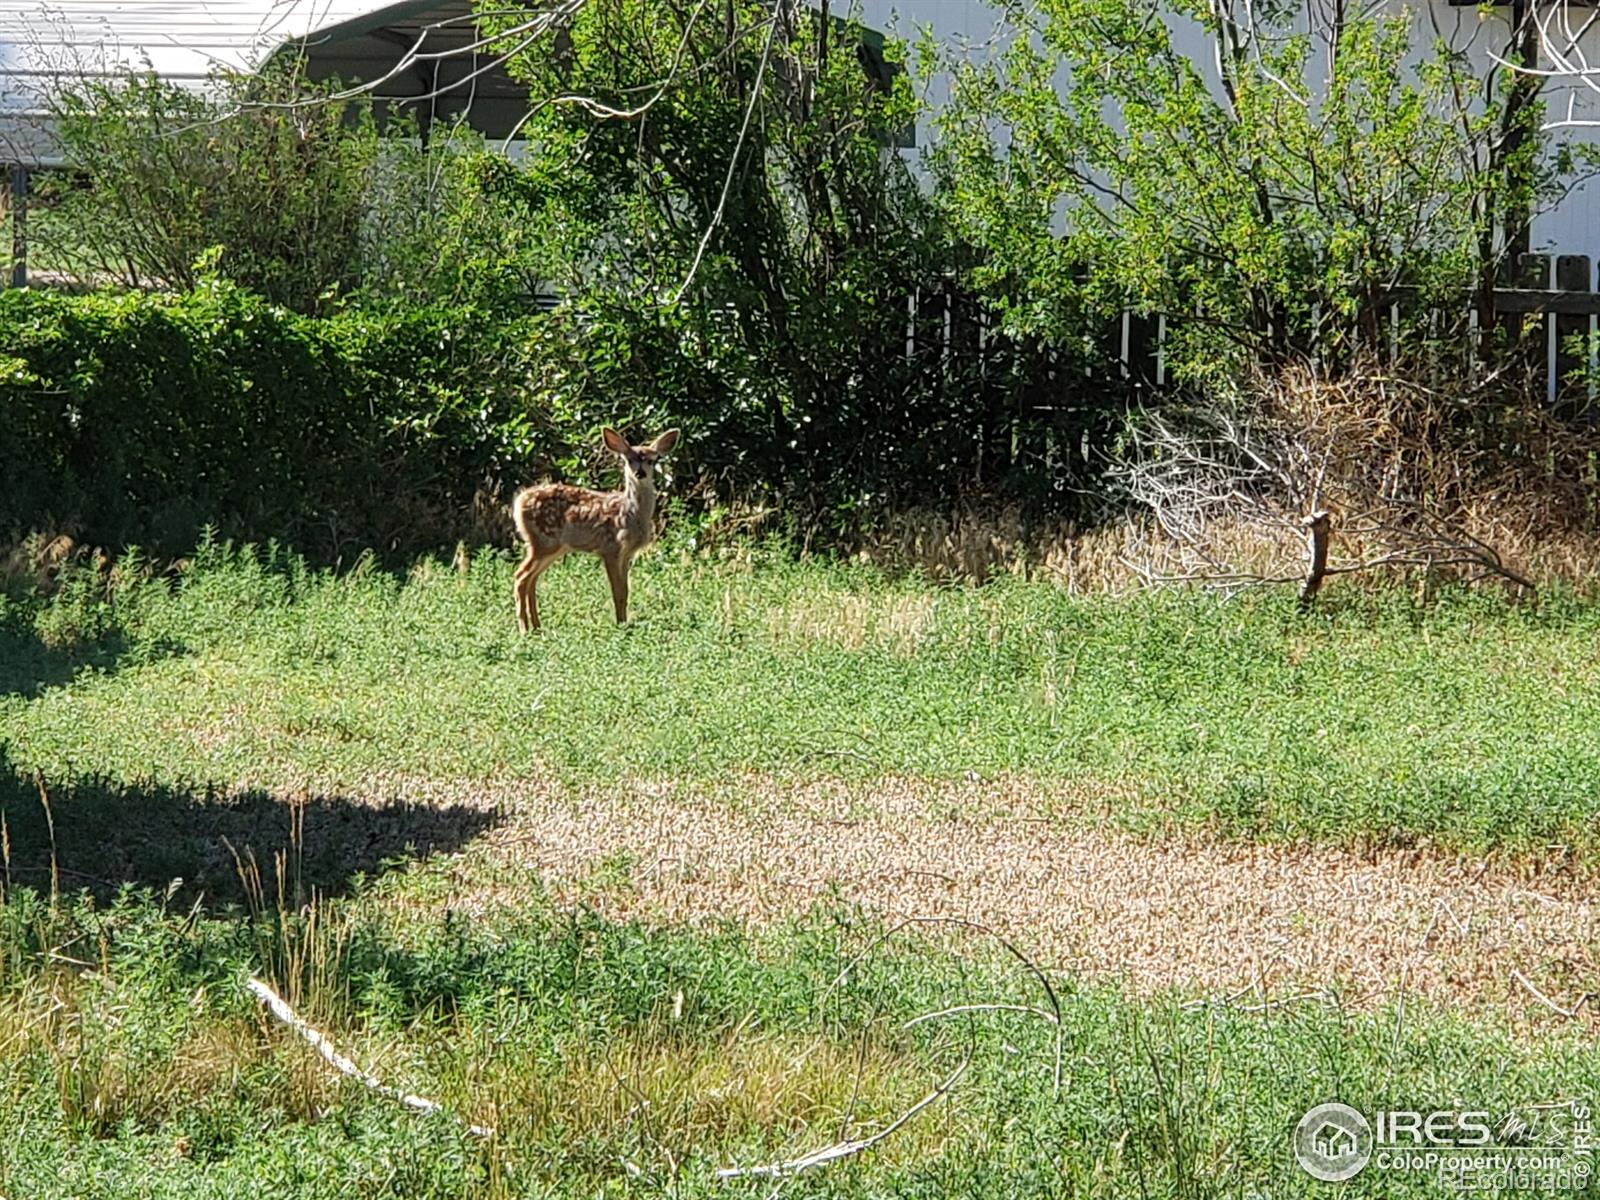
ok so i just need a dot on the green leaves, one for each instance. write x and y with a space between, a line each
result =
171 185
1278 185
140 418
750 177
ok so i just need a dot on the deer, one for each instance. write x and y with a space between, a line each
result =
554 518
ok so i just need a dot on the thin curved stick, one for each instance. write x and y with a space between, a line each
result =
1031 966
828 1154
960 1009
319 1042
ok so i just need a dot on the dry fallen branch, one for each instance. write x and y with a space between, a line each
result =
1407 476
1569 1013
279 1008
846 1149
1318 530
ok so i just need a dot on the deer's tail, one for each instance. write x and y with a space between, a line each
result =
519 516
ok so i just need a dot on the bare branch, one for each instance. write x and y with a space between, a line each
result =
1561 44
733 161
833 1153
279 1007
1393 467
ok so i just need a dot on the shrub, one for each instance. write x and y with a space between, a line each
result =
746 240
1277 192
160 177
740 260
143 418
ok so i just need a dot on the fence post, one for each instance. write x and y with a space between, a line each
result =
1526 272
1574 273
1144 349
929 329
19 225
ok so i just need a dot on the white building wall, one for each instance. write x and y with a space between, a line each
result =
1573 226
184 41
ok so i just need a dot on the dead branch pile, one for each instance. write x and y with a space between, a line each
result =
1461 479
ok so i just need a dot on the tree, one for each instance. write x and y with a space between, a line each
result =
160 176
716 174
1329 160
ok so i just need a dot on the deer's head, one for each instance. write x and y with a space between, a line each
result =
639 462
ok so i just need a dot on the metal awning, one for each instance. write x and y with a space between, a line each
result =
449 81
45 49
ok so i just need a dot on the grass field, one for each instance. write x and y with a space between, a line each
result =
636 898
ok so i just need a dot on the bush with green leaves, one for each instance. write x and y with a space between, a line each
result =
1278 198
748 213
141 418
289 188
161 174
741 256
738 251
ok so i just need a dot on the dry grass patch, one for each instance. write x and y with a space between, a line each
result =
653 1082
106 1074
35 562
1186 912
1029 857
1126 555
707 1093
852 621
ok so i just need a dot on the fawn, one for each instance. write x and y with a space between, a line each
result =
554 518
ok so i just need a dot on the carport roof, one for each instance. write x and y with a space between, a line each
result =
45 47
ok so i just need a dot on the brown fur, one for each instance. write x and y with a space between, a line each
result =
555 518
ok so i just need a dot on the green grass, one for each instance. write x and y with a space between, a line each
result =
1469 725
613 1059
621 1059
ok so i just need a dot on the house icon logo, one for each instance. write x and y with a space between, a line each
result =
1332 1142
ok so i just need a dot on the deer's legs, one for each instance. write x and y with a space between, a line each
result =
516 589
617 573
534 564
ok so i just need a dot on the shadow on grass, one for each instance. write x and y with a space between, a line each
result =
28 666
102 835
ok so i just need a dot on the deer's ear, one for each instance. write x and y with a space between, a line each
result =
665 442
613 441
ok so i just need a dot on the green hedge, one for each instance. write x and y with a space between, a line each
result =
140 419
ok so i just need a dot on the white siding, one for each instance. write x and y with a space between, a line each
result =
1573 227
180 39
969 25
186 39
